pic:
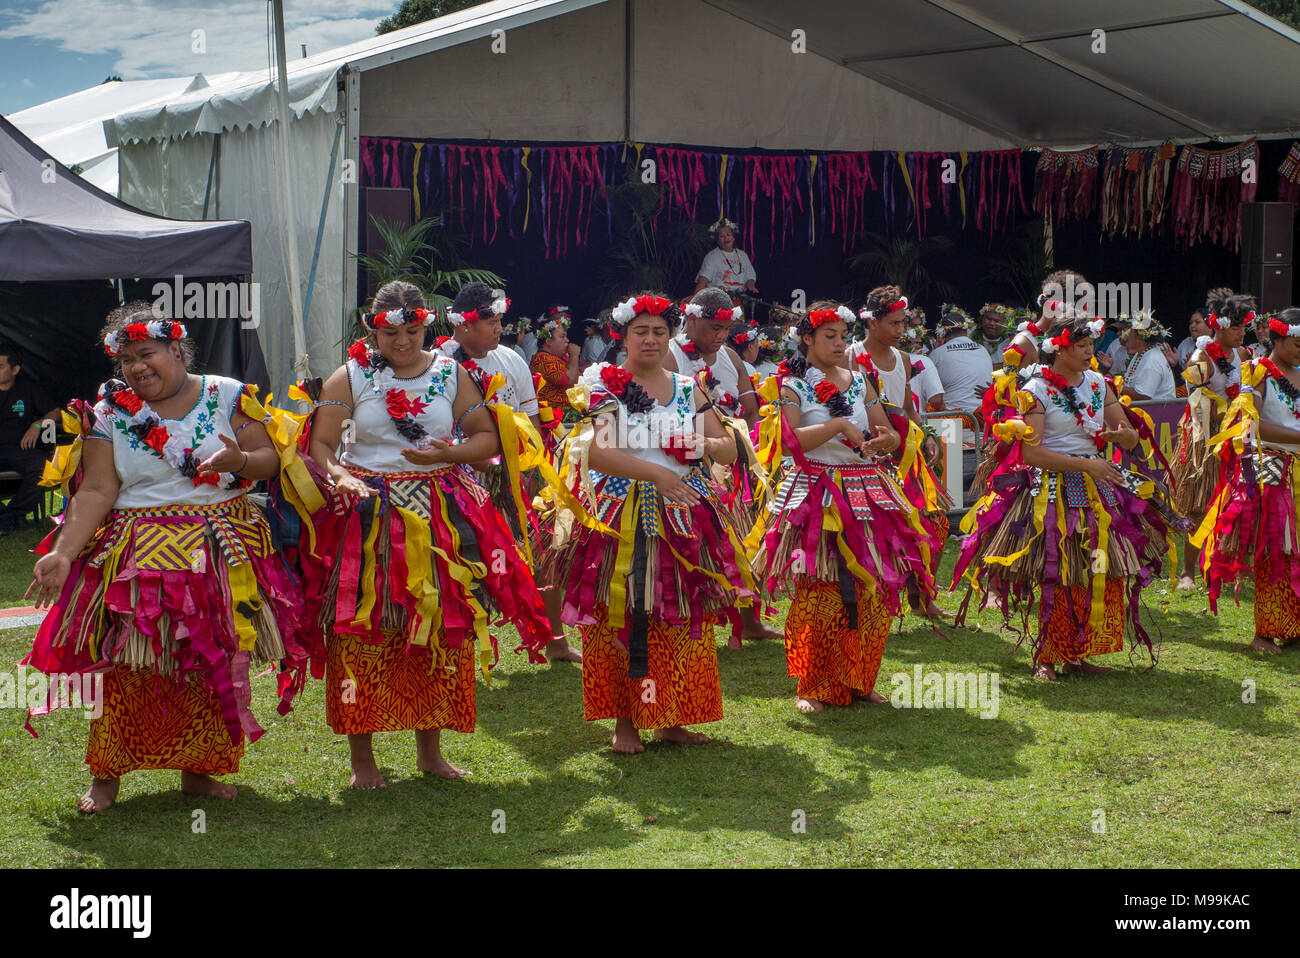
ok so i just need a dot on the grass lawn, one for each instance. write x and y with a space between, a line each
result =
1184 772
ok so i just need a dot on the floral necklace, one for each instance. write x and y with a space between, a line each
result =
1224 363
724 400
402 409
1066 397
618 382
136 418
824 390
1286 389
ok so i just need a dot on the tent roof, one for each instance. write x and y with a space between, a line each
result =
1022 70
56 226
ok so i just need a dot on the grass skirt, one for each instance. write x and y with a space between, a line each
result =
190 594
1194 471
1042 535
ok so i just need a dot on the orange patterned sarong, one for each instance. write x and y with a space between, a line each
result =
155 721
682 687
833 662
386 688
1067 638
1277 608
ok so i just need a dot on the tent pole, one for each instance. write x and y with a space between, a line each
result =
324 208
212 168
286 190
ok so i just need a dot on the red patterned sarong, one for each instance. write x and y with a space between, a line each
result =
1068 637
832 661
1277 607
157 721
681 688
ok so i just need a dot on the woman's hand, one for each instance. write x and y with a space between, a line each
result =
883 440
673 488
229 459
49 574
851 432
352 487
574 351
437 451
1103 470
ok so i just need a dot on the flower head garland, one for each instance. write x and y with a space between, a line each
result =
498 307
555 319
723 223
887 310
742 339
138 419
166 329
395 318
1290 395
1064 341
1279 327
840 314
1144 323
630 309
729 314
1217 322
958 315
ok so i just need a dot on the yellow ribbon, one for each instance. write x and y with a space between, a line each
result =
415 180
243 594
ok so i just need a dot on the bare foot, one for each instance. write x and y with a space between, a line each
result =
873 697
1265 645
100 796
1045 672
365 773
760 630
1087 668
681 736
991 602
428 755
559 650
367 777
1186 584
627 740
932 611
194 784
808 705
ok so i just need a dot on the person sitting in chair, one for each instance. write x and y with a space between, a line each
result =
24 409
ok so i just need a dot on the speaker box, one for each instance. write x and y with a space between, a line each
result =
1270 284
1267 230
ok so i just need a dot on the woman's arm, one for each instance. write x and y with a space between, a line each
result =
327 423
482 441
248 455
615 462
719 445
812 436
1118 429
1035 454
747 397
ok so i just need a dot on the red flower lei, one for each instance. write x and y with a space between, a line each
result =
1068 394
825 391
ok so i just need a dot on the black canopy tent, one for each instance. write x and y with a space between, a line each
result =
67 250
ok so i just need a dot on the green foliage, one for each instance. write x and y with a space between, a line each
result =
642 257
1288 11
914 265
412 12
424 254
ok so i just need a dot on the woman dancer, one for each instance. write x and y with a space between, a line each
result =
1062 522
407 554
163 579
840 534
1213 376
645 599
1250 525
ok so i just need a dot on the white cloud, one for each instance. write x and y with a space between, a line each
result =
154 38
27 82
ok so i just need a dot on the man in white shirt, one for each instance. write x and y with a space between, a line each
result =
965 367
1148 374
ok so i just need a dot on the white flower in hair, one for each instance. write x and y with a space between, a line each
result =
500 305
844 313
866 314
694 309
624 312
1097 326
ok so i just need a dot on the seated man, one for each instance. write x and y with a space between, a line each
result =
24 408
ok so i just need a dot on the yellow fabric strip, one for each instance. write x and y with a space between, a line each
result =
366 602
419 575
243 593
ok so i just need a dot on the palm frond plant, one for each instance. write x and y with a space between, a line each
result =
913 264
1021 263
426 254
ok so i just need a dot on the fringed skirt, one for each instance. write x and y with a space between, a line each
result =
404 584
1194 471
173 604
1062 539
679 566
1250 528
843 524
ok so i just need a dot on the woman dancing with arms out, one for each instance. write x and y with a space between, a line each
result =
1213 377
839 533
1061 518
646 598
1250 524
407 553
163 579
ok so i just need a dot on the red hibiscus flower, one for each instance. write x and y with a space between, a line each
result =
361 353
157 438
137 332
864 360
177 331
825 390
437 343
678 449
398 404
783 369
615 379
128 400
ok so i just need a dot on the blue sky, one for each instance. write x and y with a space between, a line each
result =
51 48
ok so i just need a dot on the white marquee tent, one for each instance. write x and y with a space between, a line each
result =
884 74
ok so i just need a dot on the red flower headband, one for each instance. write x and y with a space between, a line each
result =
626 311
819 317
138 332
1280 328
726 315
397 317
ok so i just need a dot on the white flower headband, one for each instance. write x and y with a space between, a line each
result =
498 308
723 224
726 315
557 318
1063 340
167 329
900 303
